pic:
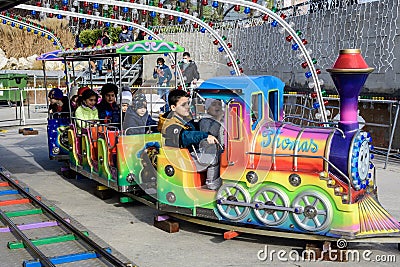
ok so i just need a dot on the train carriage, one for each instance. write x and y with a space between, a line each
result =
57 123
275 175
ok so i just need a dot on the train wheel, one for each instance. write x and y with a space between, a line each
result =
236 193
273 197
317 214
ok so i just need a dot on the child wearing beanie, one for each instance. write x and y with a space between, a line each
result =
137 117
58 103
126 101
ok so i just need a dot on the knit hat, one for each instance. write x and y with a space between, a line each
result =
126 97
82 89
56 93
208 103
126 88
73 91
139 101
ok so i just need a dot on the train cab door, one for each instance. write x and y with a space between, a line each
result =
233 157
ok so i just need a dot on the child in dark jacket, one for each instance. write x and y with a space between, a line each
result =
137 117
179 131
109 111
58 103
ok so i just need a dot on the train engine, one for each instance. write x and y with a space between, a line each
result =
281 176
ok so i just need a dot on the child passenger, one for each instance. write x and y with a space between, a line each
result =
108 108
180 131
87 110
213 120
137 117
126 101
58 102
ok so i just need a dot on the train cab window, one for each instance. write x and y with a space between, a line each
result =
273 102
234 121
256 111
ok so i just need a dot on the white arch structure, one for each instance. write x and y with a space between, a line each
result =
296 38
255 6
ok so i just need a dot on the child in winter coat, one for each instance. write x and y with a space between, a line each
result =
213 120
87 110
109 111
58 103
137 117
179 132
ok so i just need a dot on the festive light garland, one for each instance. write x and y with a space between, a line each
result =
205 27
27 25
299 44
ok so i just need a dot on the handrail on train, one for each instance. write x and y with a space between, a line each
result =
138 127
314 157
316 127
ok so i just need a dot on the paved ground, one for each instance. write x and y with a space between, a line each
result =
128 227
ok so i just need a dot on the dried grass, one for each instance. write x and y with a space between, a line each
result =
20 43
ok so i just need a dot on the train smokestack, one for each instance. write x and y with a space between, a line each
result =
349 74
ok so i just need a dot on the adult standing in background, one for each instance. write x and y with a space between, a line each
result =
102 41
125 36
163 75
189 69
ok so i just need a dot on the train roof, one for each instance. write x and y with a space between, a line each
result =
53 55
243 84
143 47
150 47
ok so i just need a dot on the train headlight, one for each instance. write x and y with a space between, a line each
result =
55 150
130 178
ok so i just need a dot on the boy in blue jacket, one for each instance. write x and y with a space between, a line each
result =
179 131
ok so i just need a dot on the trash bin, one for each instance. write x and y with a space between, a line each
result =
11 85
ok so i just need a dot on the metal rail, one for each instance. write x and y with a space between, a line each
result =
109 257
28 243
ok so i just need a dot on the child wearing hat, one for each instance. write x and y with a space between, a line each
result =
213 120
58 102
137 117
126 101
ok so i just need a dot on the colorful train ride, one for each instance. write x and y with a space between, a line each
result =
275 175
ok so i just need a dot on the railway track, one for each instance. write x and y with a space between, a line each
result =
38 236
